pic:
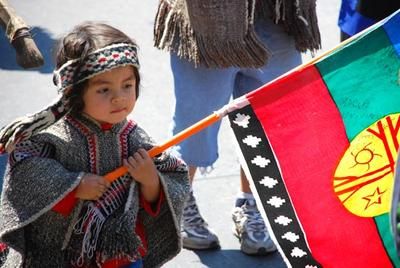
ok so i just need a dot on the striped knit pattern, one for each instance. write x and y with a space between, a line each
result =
36 184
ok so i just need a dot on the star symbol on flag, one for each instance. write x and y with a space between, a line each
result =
269 182
374 198
252 141
242 120
297 252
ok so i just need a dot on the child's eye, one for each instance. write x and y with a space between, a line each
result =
128 86
102 90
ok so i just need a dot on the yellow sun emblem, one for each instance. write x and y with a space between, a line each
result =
363 179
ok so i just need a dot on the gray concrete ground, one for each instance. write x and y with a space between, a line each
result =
23 92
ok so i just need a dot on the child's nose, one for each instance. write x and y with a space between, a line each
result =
118 96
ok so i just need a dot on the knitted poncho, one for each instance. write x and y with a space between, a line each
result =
45 168
220 33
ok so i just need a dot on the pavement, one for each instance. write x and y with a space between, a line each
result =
26 91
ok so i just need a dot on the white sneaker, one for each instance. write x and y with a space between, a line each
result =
195 231
250 228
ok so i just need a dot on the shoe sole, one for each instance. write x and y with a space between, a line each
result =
260 252
212 246
252 252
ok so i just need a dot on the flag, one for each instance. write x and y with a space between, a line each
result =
319 146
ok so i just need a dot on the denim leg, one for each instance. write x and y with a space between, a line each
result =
284 58
198 93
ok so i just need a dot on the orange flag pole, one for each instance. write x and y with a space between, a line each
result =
113 175
200 125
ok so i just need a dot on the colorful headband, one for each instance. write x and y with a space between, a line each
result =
97 62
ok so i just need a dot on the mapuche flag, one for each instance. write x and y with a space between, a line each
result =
320 146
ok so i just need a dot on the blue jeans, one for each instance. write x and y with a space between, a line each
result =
200 91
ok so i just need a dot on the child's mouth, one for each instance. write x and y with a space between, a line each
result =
118 111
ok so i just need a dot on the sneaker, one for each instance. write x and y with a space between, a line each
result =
195 231
250 228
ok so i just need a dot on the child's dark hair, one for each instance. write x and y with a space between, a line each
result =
78 44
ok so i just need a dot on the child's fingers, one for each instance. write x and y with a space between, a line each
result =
98 196
105 182
127 164
138 158
132 162
102 188
143 153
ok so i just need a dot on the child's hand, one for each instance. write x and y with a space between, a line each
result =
142 169
92 187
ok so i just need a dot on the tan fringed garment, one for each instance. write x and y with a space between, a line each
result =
220 33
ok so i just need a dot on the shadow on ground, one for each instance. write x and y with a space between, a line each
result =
44 42
235 258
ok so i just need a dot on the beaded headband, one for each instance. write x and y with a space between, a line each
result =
99 61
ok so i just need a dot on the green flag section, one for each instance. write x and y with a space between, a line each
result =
365 70
320 146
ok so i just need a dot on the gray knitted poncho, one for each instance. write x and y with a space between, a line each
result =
44 169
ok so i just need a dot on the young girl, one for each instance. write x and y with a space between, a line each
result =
56 208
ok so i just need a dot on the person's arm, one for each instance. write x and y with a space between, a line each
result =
37 180
153 209
91 187
37 184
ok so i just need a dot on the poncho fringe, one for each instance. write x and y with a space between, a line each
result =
180 28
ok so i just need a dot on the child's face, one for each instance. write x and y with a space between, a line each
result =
111 96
